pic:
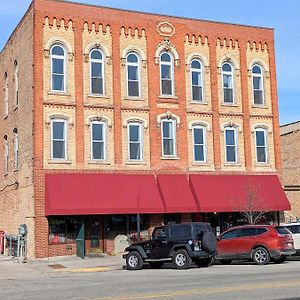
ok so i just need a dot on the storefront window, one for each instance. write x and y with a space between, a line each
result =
62 229
172 219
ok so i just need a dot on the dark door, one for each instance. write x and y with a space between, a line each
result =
160 244
80 251
94 236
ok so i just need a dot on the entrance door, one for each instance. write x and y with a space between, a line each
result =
80 240
94 236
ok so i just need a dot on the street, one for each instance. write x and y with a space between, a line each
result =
236 281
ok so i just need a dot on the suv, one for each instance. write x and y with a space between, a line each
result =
180 243
260 243
294 228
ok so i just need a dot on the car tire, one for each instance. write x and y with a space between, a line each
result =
225 261
209 242
203 262
156 264
279 260
261 256
134 261
181 259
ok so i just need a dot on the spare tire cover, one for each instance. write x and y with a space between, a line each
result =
209 242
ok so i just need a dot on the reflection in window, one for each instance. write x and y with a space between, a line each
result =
58 68
166 74
97 72
261 145
231 145
135 141
62 229
227 75
258 88
133 75
197 84
98 140
58 139
168 137
199 143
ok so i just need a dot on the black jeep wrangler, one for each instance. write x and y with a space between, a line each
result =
180 243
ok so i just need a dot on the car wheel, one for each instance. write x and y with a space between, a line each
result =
225 261
261 256
181 259
134 261
156 264
204 262
279 260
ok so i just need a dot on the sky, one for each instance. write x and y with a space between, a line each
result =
282 15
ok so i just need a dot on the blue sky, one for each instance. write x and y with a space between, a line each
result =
281 15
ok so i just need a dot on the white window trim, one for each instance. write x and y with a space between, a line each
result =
65 139
204 144
262 84
233 83
171 64
104 140
138 65
94 60
6 156
141 141
6 94
235 142
17 96
174 137
266 146
65 67
202 81
16 151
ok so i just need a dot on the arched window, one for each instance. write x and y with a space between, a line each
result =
227 75
133 75
6 94
58 68
59 139
135 141
258 85
199 143
261 145
166 74
197 81
168 131
6 153
98 140
97 72
230 144
16 148
16 84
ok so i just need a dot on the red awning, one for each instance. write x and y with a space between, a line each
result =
78 194
226 193
176 193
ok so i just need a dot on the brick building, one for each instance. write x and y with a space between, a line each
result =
108 113
290 144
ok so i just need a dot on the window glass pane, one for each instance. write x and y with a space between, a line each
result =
97 132
230 137
260 138
180 232
166 72
196 64
165 57
230 234
98 150
227 81
132 58
58 130
248 231
198 136
96 70
132 72
134 133
133 88
57 66
256 83
226 68
58 82
96 54
256 70
168 147
228 95
230 153
261 154
57 50
58 149
197 93
196 78
258 97
261 230
167 129
166 87
282 230
135 150
199 153
97 86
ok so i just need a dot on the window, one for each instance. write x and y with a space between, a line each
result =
199 144
231 145
58 68
227 76
133 75
258 88
58 139
16 149
230 234
168 137
62 229
16 83
261 230
6 95
160 233
135 148
261 145
248 231
197 83
166 74
181 232
97 72
6 153
98 132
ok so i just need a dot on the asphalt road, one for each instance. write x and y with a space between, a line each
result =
236 281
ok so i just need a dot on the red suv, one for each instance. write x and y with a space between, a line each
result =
260 243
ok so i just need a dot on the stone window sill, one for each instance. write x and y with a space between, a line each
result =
134 98
58 93
198 102
230 104
60 162
97 96
98 162
132 162
259 106
232 165
203 164
169 157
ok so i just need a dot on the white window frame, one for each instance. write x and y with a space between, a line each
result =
98 61
17 84
262 84
141 140
6 156
104 140
203 145
171 64
265 146
54 56
173 122
232 81
235 144
6 95
16 150
138 65
65 139
202 81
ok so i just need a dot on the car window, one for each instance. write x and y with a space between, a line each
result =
293 228
248 231
261 230
282 230
160 233
180 232
230 234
